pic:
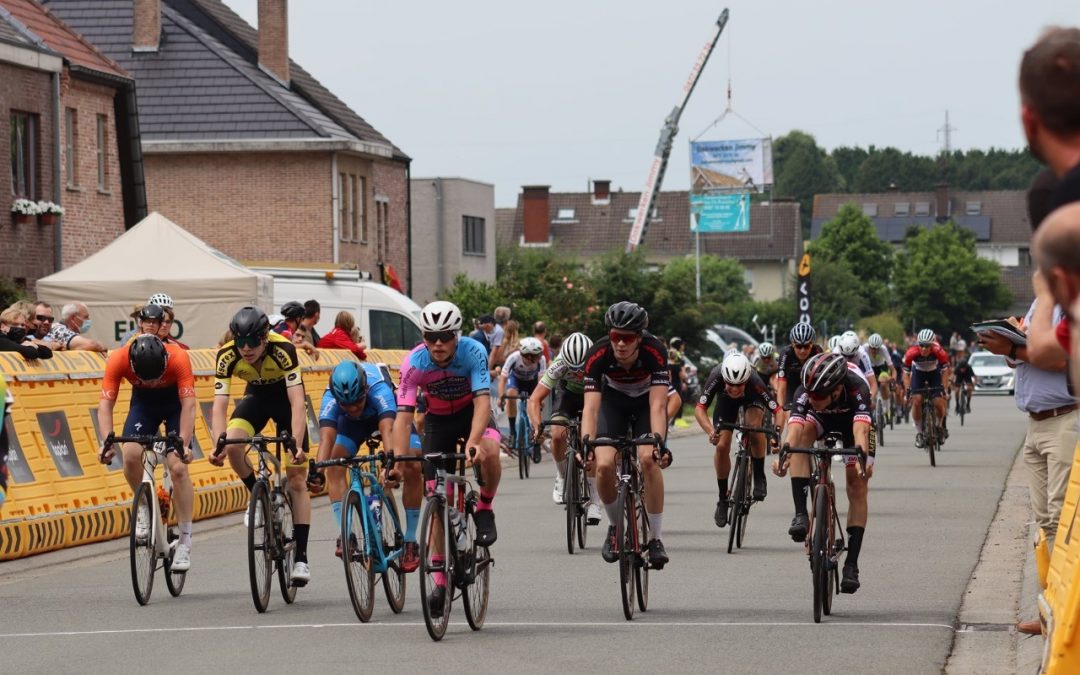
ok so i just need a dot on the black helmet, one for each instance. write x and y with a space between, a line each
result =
249 322
152 313
292 310
822 372
627 316
148 357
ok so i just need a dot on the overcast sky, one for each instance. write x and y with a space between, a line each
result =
560 92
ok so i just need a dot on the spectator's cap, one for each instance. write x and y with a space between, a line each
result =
151 313
161 299
292 310
486 318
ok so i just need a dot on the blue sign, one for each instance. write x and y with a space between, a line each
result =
713 212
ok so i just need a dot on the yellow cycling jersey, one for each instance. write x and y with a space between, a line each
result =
278 365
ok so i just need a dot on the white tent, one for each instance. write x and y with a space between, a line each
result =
159 256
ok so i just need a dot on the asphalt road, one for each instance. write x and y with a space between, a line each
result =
549 612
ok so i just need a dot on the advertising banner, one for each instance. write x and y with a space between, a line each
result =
803 295
719 212
731 165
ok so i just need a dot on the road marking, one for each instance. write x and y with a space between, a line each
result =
492 624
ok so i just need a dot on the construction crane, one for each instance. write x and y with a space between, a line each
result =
667 136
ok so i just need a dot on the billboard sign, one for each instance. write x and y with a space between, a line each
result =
720 212
731 165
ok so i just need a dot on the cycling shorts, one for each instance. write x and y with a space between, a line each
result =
618 412
522 386
351 433
567 405
442 433
882 373
149 409
839 424
254 410
921 379
727 408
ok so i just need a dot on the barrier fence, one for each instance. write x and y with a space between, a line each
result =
59 495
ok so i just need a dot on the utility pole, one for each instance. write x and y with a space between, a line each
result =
946 133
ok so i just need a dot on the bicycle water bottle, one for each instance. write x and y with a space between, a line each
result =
457 524
375 506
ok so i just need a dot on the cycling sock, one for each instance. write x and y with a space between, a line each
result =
800 487
612 513
249 481
594 496
721 484
560 468
485 500
854 545
335 511
412 516
438 577
185 534
759 469
656 523
513 425
300 533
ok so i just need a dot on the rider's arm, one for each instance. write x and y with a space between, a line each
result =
110 387
386 430
503 377
861 431
187 422
590 413
401 429
536 401
658 395
701 410
480 419
105 417
226 358
298 404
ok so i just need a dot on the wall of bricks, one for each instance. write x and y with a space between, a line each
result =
26 251
391 181
93 216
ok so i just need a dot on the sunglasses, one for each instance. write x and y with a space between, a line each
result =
618 337
802 347
249 342
44 319
820 396
444 336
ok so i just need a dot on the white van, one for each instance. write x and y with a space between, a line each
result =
387 319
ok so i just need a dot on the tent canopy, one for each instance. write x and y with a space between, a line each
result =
159 256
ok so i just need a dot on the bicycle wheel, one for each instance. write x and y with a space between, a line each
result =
625 533
393 541
524 441
738 495
880 424
961 405
356 554
930 424
744 512
474 597
523 460
819 566
260 545
173 580
434 559
286 549
582 505
143 550
641 569
572 500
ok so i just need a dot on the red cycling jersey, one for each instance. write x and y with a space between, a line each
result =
178 373
935 360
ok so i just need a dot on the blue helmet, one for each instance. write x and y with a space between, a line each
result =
348 383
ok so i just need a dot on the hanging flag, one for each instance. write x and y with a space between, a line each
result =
390 277
805 310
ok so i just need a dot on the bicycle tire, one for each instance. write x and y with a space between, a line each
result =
355 546
524 440
571 500
737 497
143 553
880 424
624 535
433 513
286 550
523 461
173 580
582 505
930 422
474 596
393 578
961 406
819 550
744 513
260 537
641 568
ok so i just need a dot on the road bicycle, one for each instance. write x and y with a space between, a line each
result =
523 447
576 494
152 506
881 418
825 539
448 546
270 541
963 402
371 539
741 497
632 533
933 432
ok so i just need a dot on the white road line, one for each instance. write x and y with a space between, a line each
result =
492 624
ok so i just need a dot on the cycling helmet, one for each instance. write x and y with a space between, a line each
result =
292 310
627 316
823 372
926 337
849 332
148 357
875 341
735 368
160 299
802 333
574 348
834 342
440 315
765 350
531 346
152 313
849 344
249 322
348 383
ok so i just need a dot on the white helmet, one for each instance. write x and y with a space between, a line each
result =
574 348
765 350
875 341
440 315
834 342
849 344
926 337
735 368
160 299
531 345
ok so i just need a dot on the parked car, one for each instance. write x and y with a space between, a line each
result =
993 373
719 340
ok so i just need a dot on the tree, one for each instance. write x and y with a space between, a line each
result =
837 302
942 284
802 170
674 310
619 276
848 160
852 239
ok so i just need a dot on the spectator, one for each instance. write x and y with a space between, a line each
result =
540 333
485 331
1057 278
292 312
165 332
312 312
14 327
68 334
342 336
43 319
556 345
301 337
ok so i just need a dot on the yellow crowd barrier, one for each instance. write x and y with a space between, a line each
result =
59 495
1059 603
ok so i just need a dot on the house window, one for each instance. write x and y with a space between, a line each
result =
869 209
922 209
472 230
343 206
71 146
973 208
1024 257
631 215
102 152
382 228
564 215
360 223
902 209
24 161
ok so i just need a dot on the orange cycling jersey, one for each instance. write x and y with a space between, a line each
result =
177 373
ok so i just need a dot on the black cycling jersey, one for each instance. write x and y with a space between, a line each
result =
963 373
649 370
791 366
756 393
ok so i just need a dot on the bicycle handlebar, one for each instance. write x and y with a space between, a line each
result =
349 461
617 442
283 438
172 441
774 432
856 451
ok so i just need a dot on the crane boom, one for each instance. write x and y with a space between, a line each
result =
655 178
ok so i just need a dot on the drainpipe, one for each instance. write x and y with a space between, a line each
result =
335 201
58 258
408 226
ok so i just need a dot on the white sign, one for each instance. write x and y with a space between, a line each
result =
731 165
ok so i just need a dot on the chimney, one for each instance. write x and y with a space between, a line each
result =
274 39
537 214
601 191
944 204
146 25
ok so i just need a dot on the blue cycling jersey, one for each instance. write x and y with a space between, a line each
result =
447 389
380 402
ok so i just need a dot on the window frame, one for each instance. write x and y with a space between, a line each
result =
472 242
102 152
27 187
71 147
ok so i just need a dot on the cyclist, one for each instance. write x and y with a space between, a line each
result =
964 378
833 344
565 378
267 362
881 362
292 312
897 359
452 371
793 357
926 365
766 362
626 384
832 398
852 350
735 386
162 392
520 373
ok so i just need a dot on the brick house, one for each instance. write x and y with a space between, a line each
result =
586 225
242 146
71 115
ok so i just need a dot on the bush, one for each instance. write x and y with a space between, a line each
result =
887 324
10 293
